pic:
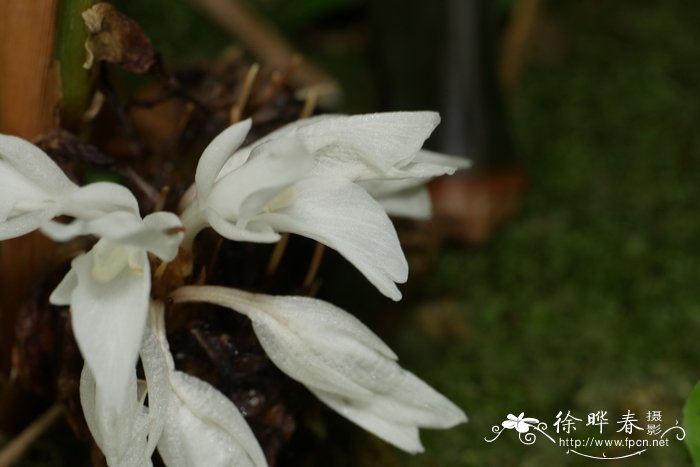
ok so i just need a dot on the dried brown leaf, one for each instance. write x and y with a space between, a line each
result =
115 38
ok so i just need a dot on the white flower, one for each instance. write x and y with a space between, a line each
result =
341 361
520 423
128 433
33 190
200 426
269 192
302 179
108 290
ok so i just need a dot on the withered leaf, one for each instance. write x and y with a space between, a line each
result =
115 38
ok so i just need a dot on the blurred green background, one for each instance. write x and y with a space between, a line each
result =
586 300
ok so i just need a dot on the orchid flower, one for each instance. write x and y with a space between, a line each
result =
34 190
331 178
310 168
380 146
200 425
339 360
108 288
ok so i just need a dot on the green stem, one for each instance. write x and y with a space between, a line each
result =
76 81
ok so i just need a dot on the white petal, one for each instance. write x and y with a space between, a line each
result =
403 397
98 199
340 360
62 293
159 233
112 225
59 232
272 168
205 428
27 222
301 314
216 154
108 314
34 164
157 372
283 326
381 140
401 435
359 146
343 216
413 203
429 164
119 431
31 186
259 233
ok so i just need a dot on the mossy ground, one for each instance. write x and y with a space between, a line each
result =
588 300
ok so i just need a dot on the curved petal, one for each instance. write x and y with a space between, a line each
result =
300 314
98 199
216 154
251 233
403 436
109 304
343 216
403 397
340 360
302 359
509 424
27 222
159 233
429 164
157 371
414 203
119 431
34 164
272 168
358 146
205 428
61 295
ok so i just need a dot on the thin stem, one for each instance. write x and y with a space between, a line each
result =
309 104
237 108
277 255
16 448
314 264
194 221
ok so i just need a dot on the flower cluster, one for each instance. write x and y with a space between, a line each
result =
332 179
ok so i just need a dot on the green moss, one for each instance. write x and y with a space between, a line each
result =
588 299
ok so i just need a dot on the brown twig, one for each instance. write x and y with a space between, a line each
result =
309 104
277 254
262 39
314 265
237 108
515 41
16 448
